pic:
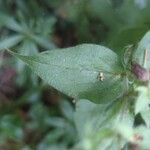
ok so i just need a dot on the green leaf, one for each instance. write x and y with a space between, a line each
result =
27 47
50 138
97 124
89 116
139 53
143 100
10 22
142 104
10 41
42 41
146 117
75 71
67 109
10 128
93 117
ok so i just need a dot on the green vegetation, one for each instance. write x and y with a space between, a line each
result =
75 75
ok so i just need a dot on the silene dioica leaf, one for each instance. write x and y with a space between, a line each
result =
86 71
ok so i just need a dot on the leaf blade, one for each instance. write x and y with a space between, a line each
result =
10 41
75 71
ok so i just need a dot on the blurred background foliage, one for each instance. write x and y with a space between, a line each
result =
32 114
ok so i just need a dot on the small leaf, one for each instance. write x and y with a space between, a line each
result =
43 42
10 41
143 100
146 117
142 104
97 124
67 109
10 128
10 23
76 71
142 53
27 47
95 117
